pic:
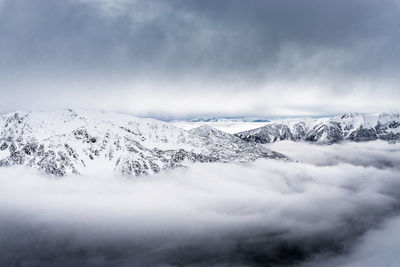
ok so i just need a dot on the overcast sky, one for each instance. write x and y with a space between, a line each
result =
187 58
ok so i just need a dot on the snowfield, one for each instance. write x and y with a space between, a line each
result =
79 142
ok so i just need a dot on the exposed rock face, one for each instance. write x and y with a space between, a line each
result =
68 142
352 127
231 147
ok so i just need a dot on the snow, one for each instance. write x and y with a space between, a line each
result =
331 129
226 126
84 141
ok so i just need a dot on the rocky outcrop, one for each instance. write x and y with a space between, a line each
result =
350 126
69 142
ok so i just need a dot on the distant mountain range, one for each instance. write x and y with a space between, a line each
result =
226 124
347 127
82 142
229 119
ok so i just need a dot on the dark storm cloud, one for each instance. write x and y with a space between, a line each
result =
257 38
265 58
262 30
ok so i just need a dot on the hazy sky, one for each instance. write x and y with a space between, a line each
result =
186 58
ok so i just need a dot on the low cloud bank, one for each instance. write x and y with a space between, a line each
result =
379 154
264 213
379 247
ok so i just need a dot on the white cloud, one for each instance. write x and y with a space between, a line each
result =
379 154
195 98
224 212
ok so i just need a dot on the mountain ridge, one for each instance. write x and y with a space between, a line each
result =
75 142
346 127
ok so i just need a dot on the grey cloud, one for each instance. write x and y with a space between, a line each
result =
267 212
377 248
288 53
379 154
211 37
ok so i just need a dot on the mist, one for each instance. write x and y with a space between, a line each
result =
378 247
379 154
264 213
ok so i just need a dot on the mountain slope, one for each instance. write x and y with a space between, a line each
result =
351 126
228 125
66 142
230 147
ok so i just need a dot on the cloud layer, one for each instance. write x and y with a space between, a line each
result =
268 57
379 154
252 214
259 38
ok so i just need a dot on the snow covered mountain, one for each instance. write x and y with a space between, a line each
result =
226 124
66 142
229 119
233 147
350 126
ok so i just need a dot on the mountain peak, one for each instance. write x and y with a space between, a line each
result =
348 127
350 115
69 141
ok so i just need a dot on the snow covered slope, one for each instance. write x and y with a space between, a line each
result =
232 146
350 126
228 125
84 142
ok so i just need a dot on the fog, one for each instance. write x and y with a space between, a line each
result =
378 247
333 206
379 154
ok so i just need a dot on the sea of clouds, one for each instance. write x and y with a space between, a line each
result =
336 206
